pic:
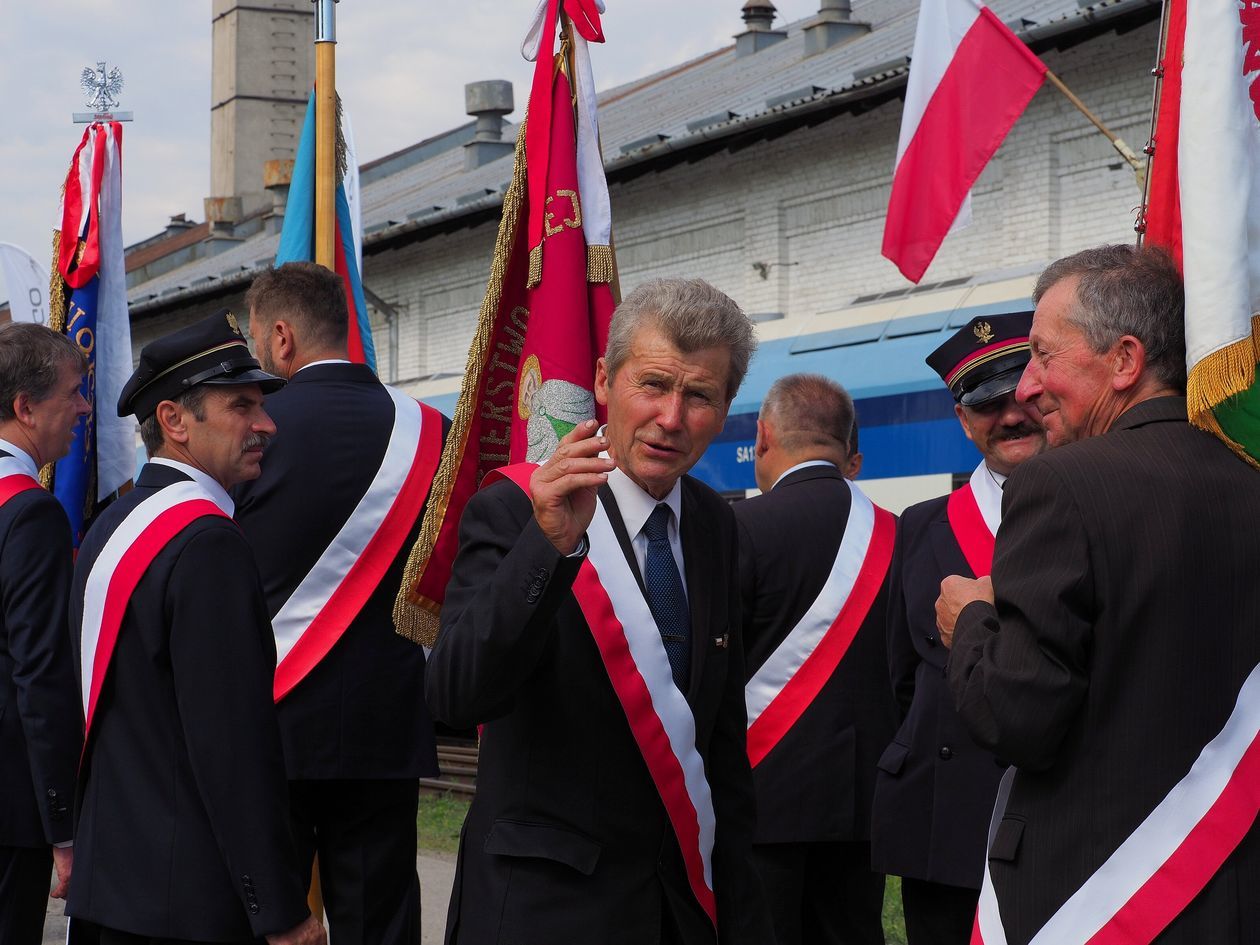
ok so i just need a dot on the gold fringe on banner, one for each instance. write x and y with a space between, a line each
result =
56 321
1216 378
535 267
600 265
416 618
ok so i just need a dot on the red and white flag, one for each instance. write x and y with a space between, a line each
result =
971 78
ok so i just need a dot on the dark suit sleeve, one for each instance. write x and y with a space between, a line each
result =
743 916
903 659
223 671
37 566
1019 672
506 586
747 584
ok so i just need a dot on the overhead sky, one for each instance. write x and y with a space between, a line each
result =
401 70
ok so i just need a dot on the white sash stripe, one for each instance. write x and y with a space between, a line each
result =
312 595
809 631
988 495
1138 858
97 585
648 652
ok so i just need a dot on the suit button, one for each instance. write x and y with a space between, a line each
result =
532 597
52 792
253 908
931 640
946 753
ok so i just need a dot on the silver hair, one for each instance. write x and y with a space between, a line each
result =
31 357
1121 291
693 315
810 411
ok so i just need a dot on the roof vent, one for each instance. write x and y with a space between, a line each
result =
758 16
488 102
833 25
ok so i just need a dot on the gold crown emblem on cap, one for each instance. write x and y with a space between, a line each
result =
983 331
232 323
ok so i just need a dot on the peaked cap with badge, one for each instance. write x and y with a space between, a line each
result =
209 351
984 359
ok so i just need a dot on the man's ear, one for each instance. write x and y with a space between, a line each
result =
173 420
765 438
287 340
1129 363
22 404
601 382
962 418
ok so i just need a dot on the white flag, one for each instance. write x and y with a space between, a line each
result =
27 283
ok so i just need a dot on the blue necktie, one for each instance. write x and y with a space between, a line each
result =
665 595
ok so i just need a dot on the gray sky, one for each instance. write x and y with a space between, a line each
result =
401 70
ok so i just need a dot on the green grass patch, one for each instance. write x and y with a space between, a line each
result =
438 822
894 920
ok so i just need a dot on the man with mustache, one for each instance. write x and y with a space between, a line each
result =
344 487
41 731
182 815
935 787
1118 666
591 627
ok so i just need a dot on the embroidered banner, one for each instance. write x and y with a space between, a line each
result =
788 682
331 595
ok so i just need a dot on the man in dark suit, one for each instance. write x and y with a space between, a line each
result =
814 555
1117 669
935 789
344 485
591 626
182 814
41 729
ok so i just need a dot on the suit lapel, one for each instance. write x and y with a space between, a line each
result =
949 555
697 567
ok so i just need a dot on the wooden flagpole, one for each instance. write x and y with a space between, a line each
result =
1138 165
325 131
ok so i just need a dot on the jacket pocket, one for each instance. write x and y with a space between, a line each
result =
893 759
543 841
1005 845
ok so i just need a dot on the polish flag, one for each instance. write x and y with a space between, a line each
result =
970 81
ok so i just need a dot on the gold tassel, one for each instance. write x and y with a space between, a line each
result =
1225 373
340 150
600 266
535 267
416 617
56 321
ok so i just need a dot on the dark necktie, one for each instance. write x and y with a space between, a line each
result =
665 595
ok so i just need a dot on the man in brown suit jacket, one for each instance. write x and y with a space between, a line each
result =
1119 667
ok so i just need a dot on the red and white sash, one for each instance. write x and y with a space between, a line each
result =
331 595
974 513
14 479
122 562
660 718
1155 873
788 682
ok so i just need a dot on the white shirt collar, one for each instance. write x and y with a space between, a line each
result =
804 465
23 457
986 486
203 479
317 363
635 504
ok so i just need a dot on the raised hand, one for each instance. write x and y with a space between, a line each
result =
564 488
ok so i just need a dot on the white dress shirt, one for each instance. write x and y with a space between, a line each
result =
318 363
804 465
203 479
23 458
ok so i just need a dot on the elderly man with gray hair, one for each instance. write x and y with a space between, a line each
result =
591 627
1115 659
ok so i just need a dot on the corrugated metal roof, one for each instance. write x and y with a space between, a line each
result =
712 95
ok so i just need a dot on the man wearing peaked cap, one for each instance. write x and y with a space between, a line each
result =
935 788
181 806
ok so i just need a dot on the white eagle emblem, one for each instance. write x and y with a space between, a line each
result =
101 87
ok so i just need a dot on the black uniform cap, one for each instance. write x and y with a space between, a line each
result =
984 359
210 351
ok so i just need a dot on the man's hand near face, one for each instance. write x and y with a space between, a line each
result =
956 593
564 488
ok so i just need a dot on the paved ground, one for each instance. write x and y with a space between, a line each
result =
436 874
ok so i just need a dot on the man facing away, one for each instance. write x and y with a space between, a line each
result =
331 520
182 814
935 789
814 555
41 728
1119 667
591 627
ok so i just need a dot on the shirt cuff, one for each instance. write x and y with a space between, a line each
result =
64 844
581 549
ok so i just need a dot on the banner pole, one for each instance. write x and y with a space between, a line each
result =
1139 167
1158 73
325 130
